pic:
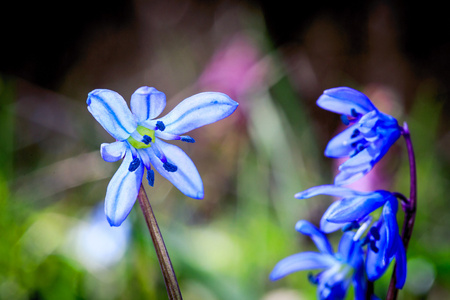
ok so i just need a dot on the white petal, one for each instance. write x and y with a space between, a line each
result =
147 103
111 111
198 110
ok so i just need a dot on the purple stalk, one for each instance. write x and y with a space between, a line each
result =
170 279
409 207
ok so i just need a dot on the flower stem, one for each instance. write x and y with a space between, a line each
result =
409 207
170 279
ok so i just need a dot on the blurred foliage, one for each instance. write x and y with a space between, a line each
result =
52 178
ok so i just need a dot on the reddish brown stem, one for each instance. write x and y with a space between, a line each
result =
170 279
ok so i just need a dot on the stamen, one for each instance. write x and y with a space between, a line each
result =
134 164
345 120
187 139
160 125
354 113
170 167
373 247
350 226
147 139
151 177
375 233
355 133
313 279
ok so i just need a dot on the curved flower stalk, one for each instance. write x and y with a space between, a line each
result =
352 212
366 141
138 135
339 269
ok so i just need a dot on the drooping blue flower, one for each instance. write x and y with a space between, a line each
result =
353 207
138 132
384 241
366 141
339 270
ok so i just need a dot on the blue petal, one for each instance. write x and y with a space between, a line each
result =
355 168
113 152
342 100
390 221
316 235
400 269
346 246
359 283
198 110
333 284
147 103
345 178
301 261
122 191
378 262
328 189
111 111
355 208
341 145
186 178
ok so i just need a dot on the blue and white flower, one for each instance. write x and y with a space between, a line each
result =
138 132
384 241
339 270
366 141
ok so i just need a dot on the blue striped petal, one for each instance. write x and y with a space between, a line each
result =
343 100
198 110
321 241
329 189
112 152
122 191
341 144
302 261
390 221
111 111
355 208
400 259
186 178
378 262
147 103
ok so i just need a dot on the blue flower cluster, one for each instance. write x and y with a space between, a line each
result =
138 142
367 246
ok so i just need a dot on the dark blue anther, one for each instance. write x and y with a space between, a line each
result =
360 147
160 126
146 139
151 177
354 113
187 139
355 133
134 164
312 279
350 226
373 247
170 167
345 120
375 233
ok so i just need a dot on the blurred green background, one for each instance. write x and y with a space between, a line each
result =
275 59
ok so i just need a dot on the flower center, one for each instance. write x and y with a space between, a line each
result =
148 134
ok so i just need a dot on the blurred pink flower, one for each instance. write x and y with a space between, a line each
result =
234 69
